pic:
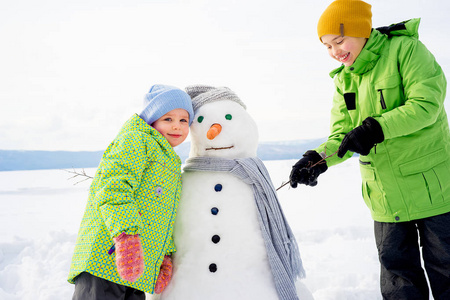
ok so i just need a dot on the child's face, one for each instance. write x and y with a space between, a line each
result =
344 49
174 126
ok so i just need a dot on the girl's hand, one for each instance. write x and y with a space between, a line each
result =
129 256
165 275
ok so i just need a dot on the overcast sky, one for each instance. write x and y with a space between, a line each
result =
72 72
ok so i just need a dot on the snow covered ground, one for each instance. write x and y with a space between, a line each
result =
41 211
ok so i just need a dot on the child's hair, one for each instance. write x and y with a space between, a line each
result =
346 17
163 98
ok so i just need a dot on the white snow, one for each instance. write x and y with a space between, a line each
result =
239 255
41 212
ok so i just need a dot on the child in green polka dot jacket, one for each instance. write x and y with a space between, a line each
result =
125 239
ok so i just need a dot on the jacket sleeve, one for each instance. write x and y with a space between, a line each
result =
171 249
121 173
340 125
424 87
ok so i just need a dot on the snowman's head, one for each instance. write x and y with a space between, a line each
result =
223 128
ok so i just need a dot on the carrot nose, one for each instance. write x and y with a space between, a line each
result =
214 131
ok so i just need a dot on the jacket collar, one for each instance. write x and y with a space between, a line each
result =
368 56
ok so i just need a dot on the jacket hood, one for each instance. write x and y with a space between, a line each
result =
405 28
370 54
137 124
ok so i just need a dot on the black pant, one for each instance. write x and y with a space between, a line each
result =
90 287
402 276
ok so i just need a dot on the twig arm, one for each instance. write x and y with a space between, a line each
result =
77 174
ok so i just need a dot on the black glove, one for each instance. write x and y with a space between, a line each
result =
362 138
302 171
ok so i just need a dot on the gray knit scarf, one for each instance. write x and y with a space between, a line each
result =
282 250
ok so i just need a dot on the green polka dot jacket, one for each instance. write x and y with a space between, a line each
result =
136 189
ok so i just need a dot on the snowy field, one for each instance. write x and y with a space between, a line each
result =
41 212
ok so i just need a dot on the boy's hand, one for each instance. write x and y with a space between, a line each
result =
129 256
165 275
303 173
362 138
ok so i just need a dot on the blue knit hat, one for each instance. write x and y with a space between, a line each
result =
163 98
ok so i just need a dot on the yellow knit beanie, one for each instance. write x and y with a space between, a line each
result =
346 17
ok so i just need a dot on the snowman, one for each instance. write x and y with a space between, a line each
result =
232 239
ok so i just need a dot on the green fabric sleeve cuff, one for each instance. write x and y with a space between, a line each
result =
330 147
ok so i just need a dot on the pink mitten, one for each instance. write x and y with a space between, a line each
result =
129 256
165 274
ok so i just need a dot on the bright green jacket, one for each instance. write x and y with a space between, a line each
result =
396 80
135 190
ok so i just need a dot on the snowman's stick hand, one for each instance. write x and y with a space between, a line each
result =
283 185
79 174
323 160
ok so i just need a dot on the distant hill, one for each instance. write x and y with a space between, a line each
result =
14 160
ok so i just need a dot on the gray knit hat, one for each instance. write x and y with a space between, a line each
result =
203 94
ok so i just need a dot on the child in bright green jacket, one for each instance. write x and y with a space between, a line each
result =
125 238
388 107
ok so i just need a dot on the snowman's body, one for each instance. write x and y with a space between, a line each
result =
220 249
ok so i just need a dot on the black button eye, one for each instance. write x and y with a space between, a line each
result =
218 187
215 239
212 268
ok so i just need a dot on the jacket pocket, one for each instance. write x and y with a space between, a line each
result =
424 163
389 93
425 178
371 189
350 101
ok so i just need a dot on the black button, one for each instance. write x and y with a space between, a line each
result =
218 187
215 239
214 210
351 68
212 268
397 218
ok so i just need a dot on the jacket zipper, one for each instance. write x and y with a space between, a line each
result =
383 104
